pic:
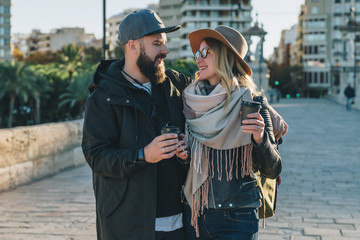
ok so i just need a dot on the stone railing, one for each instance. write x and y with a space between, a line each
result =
33 152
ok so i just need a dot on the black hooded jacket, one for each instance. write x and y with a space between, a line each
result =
119 119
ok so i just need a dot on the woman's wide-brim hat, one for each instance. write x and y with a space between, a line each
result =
227 35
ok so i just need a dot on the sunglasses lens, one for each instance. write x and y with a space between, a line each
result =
196 55
204 52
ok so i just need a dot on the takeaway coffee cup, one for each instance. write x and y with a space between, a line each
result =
170 129
249 107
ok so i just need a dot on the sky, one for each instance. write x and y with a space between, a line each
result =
275 15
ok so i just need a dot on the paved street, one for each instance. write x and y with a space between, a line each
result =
319 198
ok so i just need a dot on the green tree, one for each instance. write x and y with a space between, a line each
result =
70 57
92 55
288 79
188 67
42 58
56 82
41 87
76 93
117 53
18 80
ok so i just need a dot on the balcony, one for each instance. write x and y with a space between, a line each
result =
214 19
216 7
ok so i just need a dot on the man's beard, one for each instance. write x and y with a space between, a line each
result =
155 72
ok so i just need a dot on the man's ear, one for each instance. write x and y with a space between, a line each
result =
133 46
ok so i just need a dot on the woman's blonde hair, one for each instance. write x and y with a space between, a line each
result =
229 67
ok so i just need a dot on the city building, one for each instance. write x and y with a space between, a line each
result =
5 32
287 47
345 48
329 37
37 41
316 46
196 14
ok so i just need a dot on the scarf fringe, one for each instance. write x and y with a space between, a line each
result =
199 153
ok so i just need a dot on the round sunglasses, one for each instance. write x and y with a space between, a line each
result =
204 52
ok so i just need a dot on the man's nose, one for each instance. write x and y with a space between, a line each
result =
165 50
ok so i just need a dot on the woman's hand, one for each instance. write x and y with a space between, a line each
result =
254 125
182 148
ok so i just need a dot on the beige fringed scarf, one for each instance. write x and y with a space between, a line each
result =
210 126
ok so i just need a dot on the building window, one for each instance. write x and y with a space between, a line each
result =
315 10
309 77
337 1
322 77
315 77
6 9
326 77
337 79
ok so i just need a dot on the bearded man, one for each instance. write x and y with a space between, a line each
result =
137 172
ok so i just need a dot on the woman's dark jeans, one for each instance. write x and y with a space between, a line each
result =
226 224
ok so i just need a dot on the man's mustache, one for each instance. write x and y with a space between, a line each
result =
162 56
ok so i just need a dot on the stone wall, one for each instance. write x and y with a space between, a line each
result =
33 152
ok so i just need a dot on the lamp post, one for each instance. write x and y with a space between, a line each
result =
258 31
352 27
105 46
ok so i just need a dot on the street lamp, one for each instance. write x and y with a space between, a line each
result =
352 27
105 46
258 31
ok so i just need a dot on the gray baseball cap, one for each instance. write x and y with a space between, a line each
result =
142 23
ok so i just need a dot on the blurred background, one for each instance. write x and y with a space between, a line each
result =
49 48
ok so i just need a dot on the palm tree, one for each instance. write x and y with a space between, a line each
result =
77 92
40 87
70 59
18 81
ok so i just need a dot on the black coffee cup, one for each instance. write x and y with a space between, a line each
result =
249 107
170 129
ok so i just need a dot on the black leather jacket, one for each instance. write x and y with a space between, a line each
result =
244 192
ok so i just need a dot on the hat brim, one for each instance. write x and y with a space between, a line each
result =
197 36
164 30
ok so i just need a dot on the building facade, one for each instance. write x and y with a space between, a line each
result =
345 49
5 29
316 46
196 14
287 47
330 52
37 41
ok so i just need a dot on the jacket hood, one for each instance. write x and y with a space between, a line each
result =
107 73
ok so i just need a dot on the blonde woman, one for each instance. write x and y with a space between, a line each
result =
221 187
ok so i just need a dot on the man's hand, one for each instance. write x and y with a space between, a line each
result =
162 147
182 149
279 125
